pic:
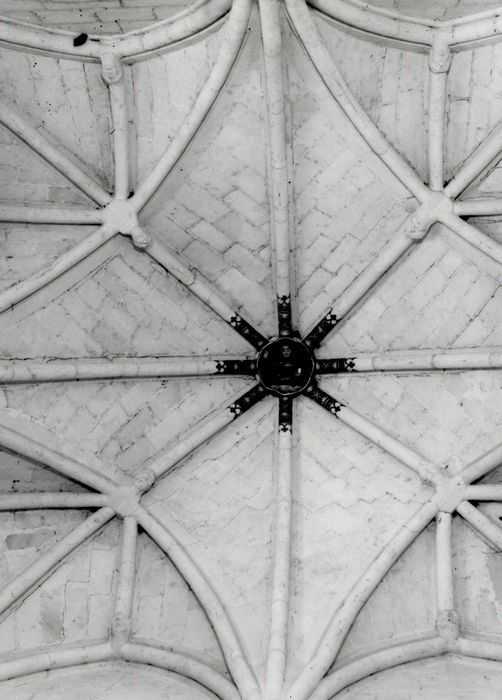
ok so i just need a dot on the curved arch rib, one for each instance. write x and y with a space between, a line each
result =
185 24
411 31
382 23
473 236
439 62
52 154
445 589
392 251
343 618
183 445
182 665
204 291
439 65
142 654
122 613
278 158
24 289
56 658
485 527
372 432
33 36
102 476
483 465
487 153
203 14
414 461
323 63
235 32
375 663
37 570
238 666
112 72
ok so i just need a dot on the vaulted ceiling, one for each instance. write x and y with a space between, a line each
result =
250 367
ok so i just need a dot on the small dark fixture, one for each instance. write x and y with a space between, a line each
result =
80 40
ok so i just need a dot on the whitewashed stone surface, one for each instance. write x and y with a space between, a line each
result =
252 541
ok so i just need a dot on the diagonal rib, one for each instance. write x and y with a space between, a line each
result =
234 34
204 291
183 445
23 582
52 154
24 289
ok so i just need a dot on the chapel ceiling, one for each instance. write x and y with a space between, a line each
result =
250 350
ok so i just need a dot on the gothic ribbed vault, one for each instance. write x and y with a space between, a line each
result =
251 356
